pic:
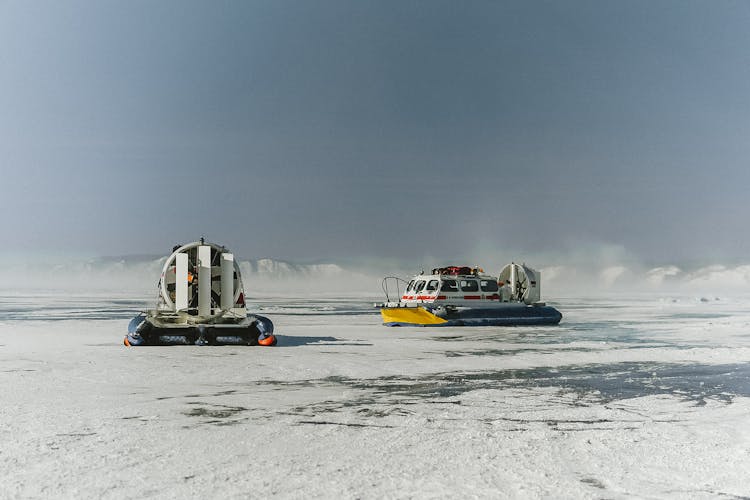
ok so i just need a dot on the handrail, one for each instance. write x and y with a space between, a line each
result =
384 285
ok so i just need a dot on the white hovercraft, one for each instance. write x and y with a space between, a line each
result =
201 301
464 296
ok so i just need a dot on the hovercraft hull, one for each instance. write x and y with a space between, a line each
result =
510 315
147 330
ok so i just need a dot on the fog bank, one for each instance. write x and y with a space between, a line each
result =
600 272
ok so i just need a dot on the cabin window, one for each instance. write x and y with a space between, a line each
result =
409 286
448 286
488 285
432 285
469 286
419 286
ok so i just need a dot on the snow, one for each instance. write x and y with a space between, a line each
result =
635 396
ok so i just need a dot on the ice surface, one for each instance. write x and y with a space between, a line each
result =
630 396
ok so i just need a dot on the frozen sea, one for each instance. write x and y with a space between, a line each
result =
631 396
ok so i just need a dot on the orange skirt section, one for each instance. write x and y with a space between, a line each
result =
268 341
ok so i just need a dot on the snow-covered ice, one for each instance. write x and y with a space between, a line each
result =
630 396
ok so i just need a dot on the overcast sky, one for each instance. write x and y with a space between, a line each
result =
314 130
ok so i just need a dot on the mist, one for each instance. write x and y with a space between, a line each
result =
597 271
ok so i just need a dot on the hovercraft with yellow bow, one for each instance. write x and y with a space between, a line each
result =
201 301
465 296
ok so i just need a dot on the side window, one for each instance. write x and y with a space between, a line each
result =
432 285
488 285
409 286
419 286
469 286
449 286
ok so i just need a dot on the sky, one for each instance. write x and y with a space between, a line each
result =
325 130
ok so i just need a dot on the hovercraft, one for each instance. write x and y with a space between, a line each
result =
201 301
465 296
